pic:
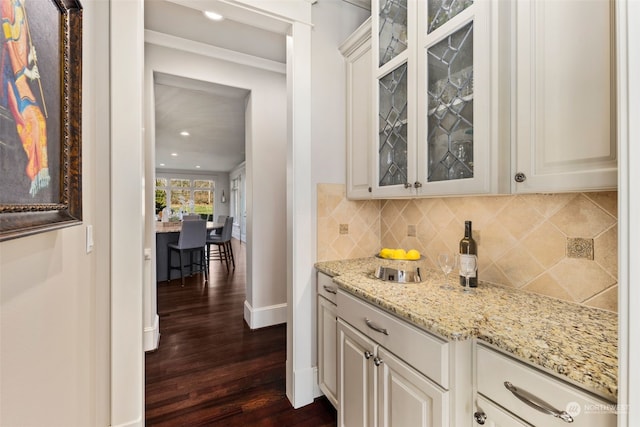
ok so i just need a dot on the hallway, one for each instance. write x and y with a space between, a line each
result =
211 369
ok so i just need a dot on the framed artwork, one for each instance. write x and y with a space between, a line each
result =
40 116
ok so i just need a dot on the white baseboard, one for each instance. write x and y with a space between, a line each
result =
152 335
136 423
264 316
305 386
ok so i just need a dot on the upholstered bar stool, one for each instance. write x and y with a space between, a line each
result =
193 238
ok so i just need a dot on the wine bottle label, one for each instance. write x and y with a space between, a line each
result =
464 261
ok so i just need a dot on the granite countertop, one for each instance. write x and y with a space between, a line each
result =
570 340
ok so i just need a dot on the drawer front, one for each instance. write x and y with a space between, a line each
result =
423 351
494 369
326 287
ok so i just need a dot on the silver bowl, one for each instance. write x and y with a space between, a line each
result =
398 276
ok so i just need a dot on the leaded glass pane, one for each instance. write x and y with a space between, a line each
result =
450 107
393 29
161 182
392 128
440 11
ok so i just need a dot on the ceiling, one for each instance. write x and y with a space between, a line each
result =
213 114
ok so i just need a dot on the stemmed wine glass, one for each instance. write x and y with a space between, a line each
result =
447 262
468 266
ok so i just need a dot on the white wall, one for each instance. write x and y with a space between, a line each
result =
54 297
266 171
334 21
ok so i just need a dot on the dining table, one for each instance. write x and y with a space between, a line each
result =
169 232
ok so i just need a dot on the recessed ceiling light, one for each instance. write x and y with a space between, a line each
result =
161 164
197 166
184 133
174 154
213 15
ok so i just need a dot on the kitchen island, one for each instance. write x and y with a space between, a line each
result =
568 340
169 232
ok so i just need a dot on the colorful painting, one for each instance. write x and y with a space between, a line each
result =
40 98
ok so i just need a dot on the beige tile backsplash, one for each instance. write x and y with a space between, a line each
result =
522 239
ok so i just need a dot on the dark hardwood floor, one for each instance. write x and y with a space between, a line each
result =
211 369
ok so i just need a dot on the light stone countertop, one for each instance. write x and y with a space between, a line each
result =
573 341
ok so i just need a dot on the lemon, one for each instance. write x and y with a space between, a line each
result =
399 254
413 254
386 253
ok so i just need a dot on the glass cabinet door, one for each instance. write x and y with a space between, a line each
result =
441 11
392 69
450 107
463 89
392 128
392 31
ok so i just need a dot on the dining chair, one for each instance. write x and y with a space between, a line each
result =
191 217
193 238
222 242
220 220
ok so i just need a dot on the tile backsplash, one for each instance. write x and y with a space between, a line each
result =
533 242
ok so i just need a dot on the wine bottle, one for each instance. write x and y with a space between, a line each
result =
468 247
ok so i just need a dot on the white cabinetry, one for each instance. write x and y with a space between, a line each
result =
378 389
407 398
463 83
522 392
356 378
327 339
439 126
392 374
496 97
357 53
564 119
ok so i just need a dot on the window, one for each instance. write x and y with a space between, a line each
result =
185 194
235 199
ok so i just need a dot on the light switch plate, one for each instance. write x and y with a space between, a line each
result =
89 239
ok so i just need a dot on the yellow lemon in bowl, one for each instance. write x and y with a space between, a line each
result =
413 254
386 253
399 254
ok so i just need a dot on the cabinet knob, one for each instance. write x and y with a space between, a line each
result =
520 177
367 354
369 189
480 417
377 361
407 185
417 184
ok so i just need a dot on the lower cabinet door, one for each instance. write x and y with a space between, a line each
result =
356 378
327 349
407 398
490 415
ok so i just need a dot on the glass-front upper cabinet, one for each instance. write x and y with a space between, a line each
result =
461 137
393 45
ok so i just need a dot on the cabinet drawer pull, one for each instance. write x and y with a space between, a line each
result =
375 327
377 361
330 289
537 403
367 354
